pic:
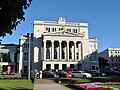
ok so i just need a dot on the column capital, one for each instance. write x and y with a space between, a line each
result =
52 40
74 41
67 41
60 41
44 40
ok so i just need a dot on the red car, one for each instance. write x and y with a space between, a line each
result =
71 69
67 75
64 74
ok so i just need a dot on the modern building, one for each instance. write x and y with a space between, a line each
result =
59 45
113 57
9 57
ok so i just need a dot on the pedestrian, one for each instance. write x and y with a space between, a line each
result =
40 73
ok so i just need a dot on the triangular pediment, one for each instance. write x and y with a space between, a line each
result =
63 33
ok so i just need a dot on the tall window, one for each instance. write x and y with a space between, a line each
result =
25 55
77 55
48 66
56 66
71 65
55 53
64 67
63 54
12 56
70 56
48 54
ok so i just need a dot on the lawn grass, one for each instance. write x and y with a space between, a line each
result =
114 86
16 84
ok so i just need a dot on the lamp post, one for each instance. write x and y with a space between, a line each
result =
29 70
29 59
1 65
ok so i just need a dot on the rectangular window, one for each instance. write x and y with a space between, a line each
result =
25 55
77 55
12 56
68 29
64 67
25 69
60 29
71 65
53 29
93 67
48 29
56 66
48 66
74 30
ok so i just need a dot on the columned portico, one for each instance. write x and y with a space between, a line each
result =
62 50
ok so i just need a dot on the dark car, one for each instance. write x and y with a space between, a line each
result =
97 74
110 72
49 74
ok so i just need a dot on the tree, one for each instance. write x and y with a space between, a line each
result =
103 62
11 14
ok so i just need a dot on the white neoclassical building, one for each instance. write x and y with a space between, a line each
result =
62 45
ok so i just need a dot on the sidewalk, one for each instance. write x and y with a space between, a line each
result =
44 84
50 87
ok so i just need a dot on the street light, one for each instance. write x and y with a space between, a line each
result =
29 37
1 64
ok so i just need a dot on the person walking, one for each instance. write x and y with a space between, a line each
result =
40 74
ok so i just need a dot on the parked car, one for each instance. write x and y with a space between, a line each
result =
80 74
110 72
49 74
63 74
96 73
71 69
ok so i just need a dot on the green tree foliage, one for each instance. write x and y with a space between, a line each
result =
11 14
103 62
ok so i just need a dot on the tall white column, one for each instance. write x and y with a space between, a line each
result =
72 52
79 50
82 51
75 50
52 50
65 51
68 50
58 53
44 49
60 48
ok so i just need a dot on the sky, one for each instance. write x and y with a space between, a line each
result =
102 16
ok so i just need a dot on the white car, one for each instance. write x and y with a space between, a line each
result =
80 74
